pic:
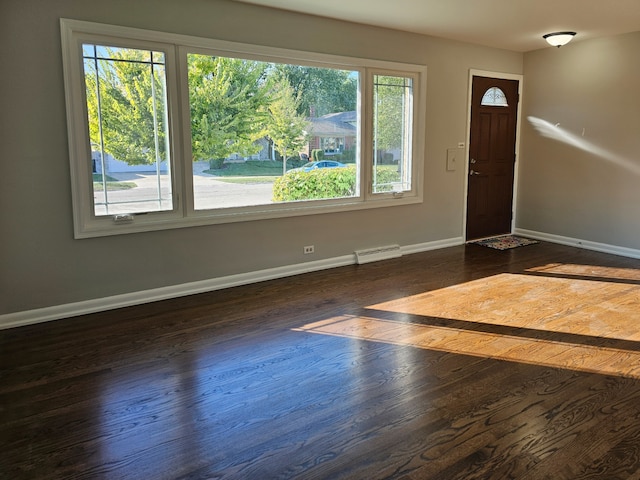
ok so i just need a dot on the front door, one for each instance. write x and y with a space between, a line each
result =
492 155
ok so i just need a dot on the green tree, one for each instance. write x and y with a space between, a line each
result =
389 115
325 90
126 101
285 126
232 103
228 99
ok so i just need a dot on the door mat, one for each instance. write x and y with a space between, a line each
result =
505 242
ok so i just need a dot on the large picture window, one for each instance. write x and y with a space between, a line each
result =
254 125
168 131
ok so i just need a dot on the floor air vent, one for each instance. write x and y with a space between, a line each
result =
378 253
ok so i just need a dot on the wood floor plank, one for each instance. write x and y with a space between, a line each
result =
461 363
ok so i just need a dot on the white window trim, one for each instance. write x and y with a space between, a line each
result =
175 47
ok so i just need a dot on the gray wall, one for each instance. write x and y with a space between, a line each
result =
42 265
587 186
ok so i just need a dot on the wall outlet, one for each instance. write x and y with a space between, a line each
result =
308 249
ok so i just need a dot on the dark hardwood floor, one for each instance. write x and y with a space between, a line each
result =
462 363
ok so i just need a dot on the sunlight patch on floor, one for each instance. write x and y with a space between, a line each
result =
610 361
593 271
547 314
550 304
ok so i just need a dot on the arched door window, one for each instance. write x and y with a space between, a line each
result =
494 97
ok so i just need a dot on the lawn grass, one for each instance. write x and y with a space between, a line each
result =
112 183
251 168
254 171
248 180
249 172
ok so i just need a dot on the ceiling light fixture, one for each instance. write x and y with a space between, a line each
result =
557 39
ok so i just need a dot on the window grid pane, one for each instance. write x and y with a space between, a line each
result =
392 133
128 118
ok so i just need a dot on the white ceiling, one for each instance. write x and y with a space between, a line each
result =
516 25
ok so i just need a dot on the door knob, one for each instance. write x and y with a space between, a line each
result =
473 172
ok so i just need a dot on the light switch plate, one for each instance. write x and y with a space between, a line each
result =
451 159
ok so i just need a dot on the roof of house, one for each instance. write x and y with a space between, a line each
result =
334 124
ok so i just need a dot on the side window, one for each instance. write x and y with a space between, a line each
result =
127 116
392 133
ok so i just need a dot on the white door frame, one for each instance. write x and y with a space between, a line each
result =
505 76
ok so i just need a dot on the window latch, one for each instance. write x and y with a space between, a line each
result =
123 218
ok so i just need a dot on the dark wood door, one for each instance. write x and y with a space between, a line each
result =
492 154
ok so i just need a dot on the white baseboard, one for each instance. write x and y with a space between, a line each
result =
576 242
435 245
40 315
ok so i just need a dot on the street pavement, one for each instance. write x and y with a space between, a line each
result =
209 192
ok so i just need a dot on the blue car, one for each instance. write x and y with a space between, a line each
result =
307 167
